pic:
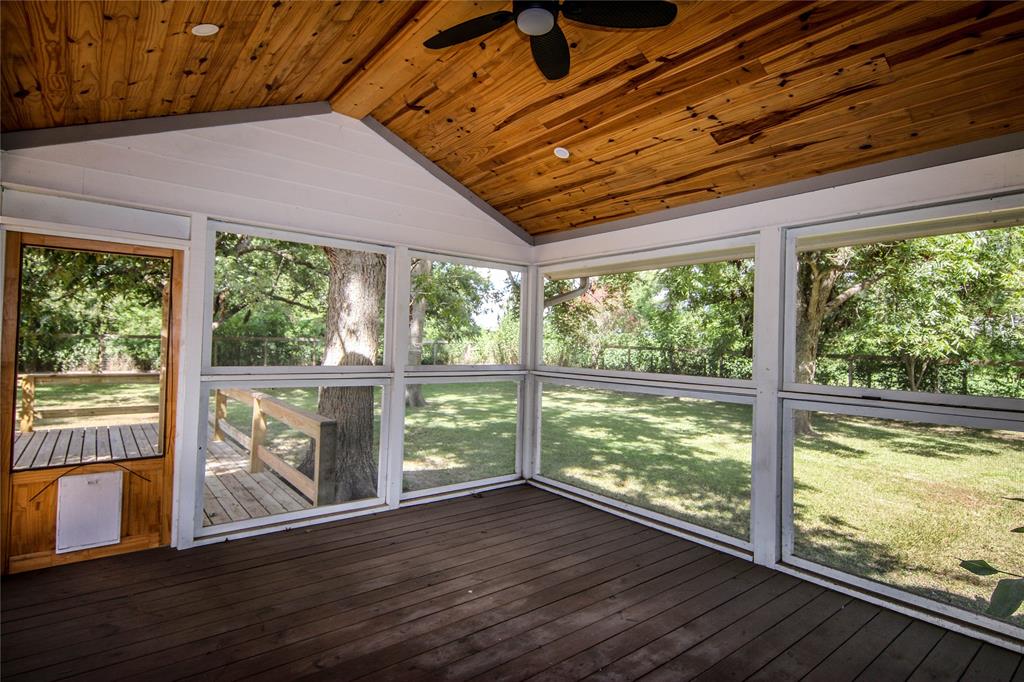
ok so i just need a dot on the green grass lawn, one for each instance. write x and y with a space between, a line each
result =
464 433
688 459
901 503
94 395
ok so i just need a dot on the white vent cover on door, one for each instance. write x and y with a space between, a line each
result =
88 511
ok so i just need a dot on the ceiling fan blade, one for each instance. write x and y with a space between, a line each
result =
468 30
639 14
551 52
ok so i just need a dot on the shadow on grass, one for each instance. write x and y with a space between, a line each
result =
689 459
834 432
848 551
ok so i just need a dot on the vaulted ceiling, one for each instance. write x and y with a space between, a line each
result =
731 97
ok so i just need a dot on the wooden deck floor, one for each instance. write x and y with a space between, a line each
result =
68 447
231 492
514 584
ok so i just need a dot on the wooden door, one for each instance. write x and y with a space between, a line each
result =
29 493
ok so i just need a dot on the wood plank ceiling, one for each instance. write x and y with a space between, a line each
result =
733 96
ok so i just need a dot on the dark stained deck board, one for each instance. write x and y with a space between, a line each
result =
21 441
992 663
762 649
515 584
103 451
901 658
950 656
530 652
89 445
133 570
857 653
117 584
802 657
45 450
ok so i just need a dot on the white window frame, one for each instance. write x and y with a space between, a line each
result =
211 372
647 389
963 417
517 378
200 531
717 251
907 225
428 370
456 374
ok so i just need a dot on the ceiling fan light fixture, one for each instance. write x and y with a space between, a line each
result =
535 21
205 29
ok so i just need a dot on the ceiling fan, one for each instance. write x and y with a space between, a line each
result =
539 21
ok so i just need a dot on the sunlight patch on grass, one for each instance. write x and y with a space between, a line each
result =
465 432
689 459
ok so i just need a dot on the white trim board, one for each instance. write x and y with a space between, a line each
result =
25 139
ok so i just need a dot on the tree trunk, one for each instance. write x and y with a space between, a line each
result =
417 320
354 297
814 289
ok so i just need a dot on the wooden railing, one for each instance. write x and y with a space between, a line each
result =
29 412
320 429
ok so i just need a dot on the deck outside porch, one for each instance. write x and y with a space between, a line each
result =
231 491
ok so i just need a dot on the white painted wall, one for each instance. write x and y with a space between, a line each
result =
326 174
941 184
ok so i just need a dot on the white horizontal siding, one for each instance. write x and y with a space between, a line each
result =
325 174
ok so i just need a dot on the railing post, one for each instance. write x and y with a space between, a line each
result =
259 432
325 476
220 413
28 402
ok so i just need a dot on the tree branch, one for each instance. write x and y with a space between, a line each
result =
836 303
569 295
282 299
252 248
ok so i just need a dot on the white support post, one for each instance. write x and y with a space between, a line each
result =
190 454
765 506
398 336
532 317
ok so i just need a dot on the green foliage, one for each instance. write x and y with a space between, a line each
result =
978 567
77 307
456 298
941 313
453 294
1006 598
1008 595
268 287
691 319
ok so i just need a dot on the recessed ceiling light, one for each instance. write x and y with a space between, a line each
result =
562 152
205 29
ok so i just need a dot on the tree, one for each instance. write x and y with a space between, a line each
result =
71 300
926 301
356 283
421 270
826 281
